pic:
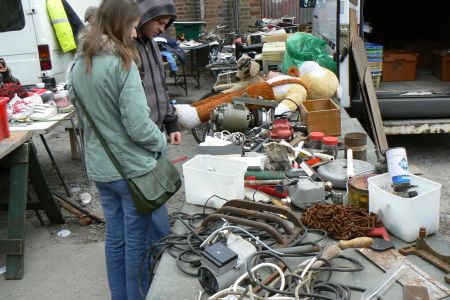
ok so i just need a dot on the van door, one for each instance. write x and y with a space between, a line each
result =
18 40
332 22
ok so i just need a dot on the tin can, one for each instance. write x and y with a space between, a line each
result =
398 166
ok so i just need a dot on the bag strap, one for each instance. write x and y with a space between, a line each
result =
114 160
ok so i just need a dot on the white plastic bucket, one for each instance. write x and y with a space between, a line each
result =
403 217
208 176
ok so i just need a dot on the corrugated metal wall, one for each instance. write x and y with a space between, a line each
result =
306 15
274 9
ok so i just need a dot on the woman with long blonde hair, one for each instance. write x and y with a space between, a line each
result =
106 80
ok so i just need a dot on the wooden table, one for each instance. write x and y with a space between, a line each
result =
43 127
17 154
13 142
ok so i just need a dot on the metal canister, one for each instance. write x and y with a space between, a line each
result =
357 141
398 166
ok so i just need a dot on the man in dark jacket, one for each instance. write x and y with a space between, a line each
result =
157 16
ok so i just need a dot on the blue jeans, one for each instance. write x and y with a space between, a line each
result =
128 235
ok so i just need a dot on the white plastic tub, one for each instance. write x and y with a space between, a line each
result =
404 216
207 175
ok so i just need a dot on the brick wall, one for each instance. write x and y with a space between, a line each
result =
218 12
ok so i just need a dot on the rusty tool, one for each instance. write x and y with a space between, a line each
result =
81 210
423 250
332 251
256 215
412 276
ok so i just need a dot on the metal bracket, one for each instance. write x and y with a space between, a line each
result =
423 250
255 101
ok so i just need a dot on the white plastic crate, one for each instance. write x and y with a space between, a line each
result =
404 216
208 175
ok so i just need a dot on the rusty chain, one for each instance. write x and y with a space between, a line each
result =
341 222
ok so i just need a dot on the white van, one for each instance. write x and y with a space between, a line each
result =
407 107
27 40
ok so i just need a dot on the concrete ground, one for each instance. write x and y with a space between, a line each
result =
73 267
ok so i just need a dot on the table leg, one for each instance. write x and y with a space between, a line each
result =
39 182
184 79
198 68
54 164
80 147
13 246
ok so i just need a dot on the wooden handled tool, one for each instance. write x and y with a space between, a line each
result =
361 242
332 251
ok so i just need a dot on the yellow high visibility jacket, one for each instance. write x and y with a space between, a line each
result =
61 25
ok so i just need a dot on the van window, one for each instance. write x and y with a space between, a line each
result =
11 15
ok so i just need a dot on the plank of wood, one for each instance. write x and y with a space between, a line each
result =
368 93
16 139
375 111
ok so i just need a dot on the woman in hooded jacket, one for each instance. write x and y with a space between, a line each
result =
106 79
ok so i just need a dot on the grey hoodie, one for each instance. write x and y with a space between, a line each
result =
152 70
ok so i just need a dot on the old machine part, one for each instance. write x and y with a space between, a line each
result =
423 250
281 130
237 117
306 193
218 268
336 171
311 173
234 117
413 276
256 215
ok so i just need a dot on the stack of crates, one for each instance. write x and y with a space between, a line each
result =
375 58
272 55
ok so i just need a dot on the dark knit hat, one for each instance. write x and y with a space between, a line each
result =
151 9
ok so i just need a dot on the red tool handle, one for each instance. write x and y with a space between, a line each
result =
265 188
379 232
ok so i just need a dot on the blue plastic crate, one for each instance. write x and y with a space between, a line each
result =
374 50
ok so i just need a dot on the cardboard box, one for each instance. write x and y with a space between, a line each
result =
321 115
441 64
425 50
273 53
271 38
399 66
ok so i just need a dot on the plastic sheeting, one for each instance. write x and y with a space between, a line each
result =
303 47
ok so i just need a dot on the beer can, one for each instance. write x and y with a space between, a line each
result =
397 163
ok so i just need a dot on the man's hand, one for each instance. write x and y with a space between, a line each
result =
175 138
